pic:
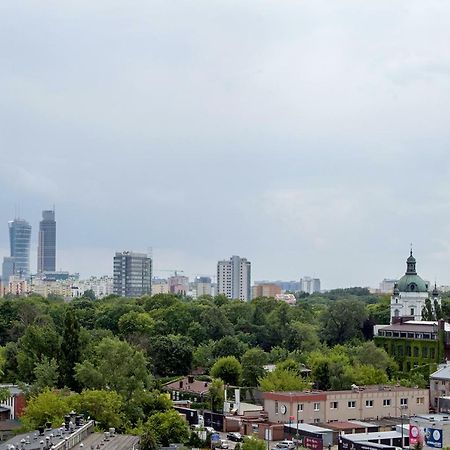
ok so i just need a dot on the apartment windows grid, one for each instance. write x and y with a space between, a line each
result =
132 274
300 407
351 404
387 402
369 403
403 402
316 406
420 400
234 278
333 405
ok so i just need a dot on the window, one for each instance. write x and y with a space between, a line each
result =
351 404
333 405
420 400
403 402
316 406
387 402
369 403
316 420
412 311
276 407
300 407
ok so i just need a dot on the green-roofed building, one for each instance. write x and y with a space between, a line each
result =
410 295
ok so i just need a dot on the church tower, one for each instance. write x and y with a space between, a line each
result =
410 295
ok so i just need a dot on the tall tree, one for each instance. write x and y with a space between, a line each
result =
70 350
227 369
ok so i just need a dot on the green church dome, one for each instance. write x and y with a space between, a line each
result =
411 282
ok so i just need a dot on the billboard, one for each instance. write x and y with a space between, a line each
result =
415 434
433 437
313 443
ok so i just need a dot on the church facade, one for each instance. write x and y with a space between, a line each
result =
410 295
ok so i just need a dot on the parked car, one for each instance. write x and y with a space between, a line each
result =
286 444
235 437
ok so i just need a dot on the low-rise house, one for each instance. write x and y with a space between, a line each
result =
15 403
187 388
439 385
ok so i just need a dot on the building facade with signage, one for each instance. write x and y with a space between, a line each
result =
371 402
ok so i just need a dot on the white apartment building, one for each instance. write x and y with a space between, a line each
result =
309 285
234 278
101 286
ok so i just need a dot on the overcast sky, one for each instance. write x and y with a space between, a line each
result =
311 137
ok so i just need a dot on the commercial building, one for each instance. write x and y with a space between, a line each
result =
234 278
357 404
19 241
47 243
309 285
132 274
430 431
265 290
415 344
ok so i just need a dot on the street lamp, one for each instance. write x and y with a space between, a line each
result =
402 408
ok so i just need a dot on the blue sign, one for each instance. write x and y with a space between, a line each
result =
215 437
433 437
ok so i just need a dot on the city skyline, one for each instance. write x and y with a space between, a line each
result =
311 137
160 272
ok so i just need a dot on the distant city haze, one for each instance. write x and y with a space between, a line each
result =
309 137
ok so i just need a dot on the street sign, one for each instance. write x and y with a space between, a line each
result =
313 443
215 437
433 437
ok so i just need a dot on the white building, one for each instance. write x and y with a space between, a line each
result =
411 293
387 285
309 285
234 278
101 286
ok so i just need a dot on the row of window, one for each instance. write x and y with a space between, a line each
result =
387 402
414 351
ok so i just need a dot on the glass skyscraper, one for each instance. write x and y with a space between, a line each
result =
47 243
19 241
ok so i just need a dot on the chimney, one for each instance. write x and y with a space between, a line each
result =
190 379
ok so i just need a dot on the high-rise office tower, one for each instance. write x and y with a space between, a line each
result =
19 240
234 278
47 243
8 269
132 274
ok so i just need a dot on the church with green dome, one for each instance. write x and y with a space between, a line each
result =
410 294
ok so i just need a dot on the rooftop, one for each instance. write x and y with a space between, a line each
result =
188 384
372 388
443 373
